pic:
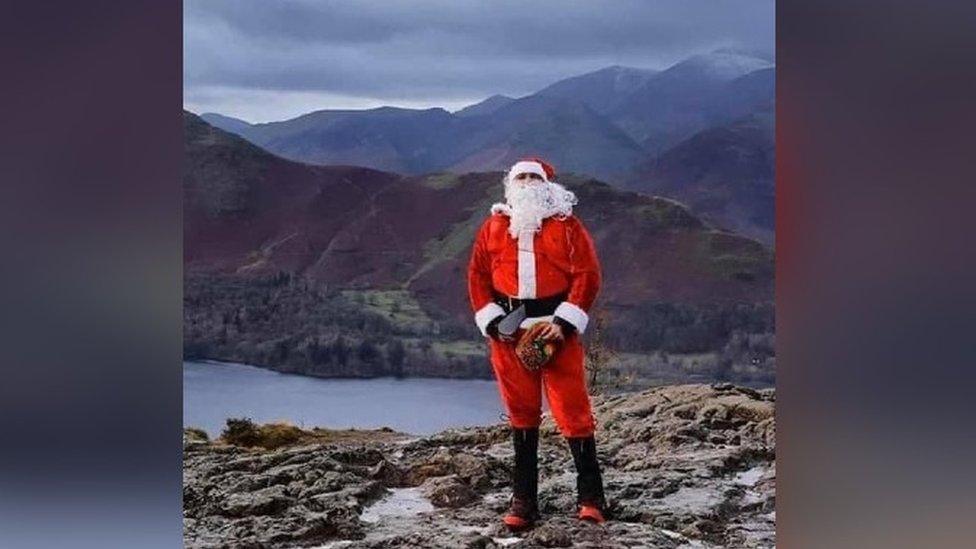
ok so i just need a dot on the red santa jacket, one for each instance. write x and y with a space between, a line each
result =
559 258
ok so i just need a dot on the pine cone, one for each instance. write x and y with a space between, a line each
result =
533 351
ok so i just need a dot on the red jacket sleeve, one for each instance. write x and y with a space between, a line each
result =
479 281
584 277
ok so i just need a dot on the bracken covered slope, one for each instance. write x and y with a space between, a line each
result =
250 213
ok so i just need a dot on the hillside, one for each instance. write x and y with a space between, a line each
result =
250 212
487 106
243 205
226 123
603 89
565 130
351 271
486 136
724 174
700 92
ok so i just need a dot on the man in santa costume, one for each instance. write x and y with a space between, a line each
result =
534 262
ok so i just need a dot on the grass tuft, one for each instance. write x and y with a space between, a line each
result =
243 432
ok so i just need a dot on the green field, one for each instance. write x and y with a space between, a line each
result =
397 306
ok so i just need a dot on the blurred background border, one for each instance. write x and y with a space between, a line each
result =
874 274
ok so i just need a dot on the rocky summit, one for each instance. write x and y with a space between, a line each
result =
684 466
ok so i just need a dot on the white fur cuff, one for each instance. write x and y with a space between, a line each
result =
486 314
572 314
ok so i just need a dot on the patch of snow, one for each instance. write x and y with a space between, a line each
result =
693 500
400 503
501 451
506 541
339 544
495 497
406 441
689 543
729 65
672 535
750 477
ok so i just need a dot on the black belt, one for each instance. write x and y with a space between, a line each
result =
543 306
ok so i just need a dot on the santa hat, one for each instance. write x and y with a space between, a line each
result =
532 165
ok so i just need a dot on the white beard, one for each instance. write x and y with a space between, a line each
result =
527 205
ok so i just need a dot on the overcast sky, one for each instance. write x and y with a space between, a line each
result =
264 60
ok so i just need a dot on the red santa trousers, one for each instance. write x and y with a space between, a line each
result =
558 259
563 378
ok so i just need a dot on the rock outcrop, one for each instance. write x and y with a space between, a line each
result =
684 466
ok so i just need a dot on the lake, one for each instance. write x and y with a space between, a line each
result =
215 391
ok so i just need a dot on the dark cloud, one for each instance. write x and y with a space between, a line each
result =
437 52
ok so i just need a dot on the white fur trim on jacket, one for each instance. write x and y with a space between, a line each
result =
486 314
572 314
526 166
526 265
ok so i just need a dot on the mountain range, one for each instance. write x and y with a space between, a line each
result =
612 124
724 174
248 212
351 271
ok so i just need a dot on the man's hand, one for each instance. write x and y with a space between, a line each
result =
552 331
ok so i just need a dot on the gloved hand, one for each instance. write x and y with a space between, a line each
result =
567 327
492 329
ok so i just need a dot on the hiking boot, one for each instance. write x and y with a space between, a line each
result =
589 481
523 510
522 514
591 513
